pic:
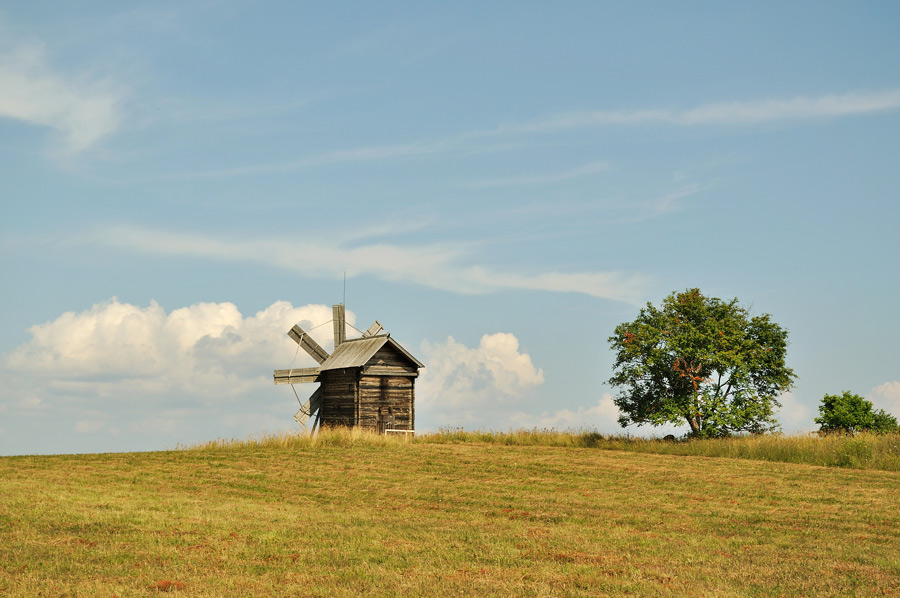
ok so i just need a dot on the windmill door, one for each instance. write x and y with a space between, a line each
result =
385 419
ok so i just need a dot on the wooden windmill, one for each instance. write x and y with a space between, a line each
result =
367 382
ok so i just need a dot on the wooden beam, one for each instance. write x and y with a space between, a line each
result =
302 338
296 375
374 370
340 329
373 329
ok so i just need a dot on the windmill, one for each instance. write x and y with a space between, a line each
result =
366 382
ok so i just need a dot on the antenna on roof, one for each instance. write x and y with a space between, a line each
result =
344 298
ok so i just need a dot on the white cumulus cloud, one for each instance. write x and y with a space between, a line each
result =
497 386
89 426
208 349
793 415
887 396
602 416
475 387
195 373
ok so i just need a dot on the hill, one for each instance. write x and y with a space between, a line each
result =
372 516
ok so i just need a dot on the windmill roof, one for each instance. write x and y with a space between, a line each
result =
355 353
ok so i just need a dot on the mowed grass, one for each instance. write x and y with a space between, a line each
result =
350 514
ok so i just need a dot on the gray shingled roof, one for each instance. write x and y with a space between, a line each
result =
355 353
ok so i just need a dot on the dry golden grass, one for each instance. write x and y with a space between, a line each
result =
860 451
346 514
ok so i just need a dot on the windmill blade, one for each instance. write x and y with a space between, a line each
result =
302 338
301 417
315 400
296 375
309 409
373 329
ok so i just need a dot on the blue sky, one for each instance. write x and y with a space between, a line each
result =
502 184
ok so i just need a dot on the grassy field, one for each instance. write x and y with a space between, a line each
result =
860 451
349 514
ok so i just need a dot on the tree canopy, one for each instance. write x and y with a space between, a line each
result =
849 413
701 361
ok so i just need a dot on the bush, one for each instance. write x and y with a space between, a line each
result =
848 413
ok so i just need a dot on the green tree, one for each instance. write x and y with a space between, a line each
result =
850 413
700 361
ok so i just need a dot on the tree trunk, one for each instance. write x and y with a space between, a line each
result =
694 423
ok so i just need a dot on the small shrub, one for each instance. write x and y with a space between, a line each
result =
849 413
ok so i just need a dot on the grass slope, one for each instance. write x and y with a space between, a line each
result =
859 451
357 515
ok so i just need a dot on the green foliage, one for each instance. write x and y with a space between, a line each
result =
849 413
702 361
884 423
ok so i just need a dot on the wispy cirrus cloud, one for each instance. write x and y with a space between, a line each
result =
661 205
723 113
340 156
83 110
499 138
447 266
537 179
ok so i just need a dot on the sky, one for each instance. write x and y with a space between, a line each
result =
499 184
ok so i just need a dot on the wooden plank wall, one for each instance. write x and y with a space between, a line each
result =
387 391
389 361
340 394
379 395
386 401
